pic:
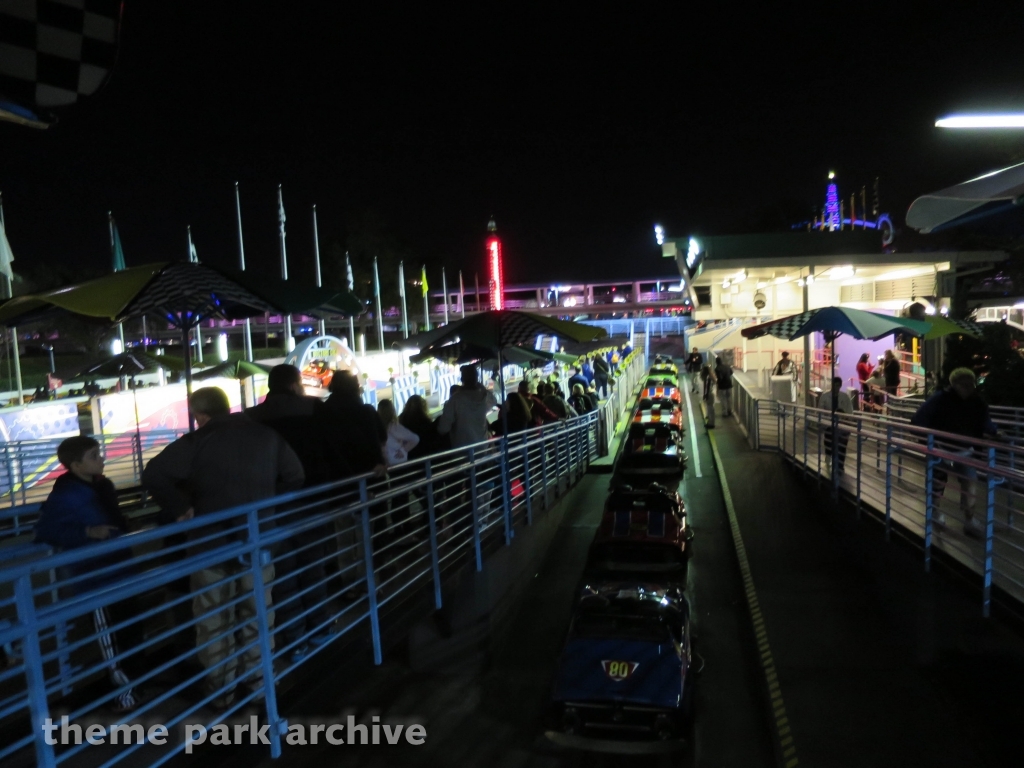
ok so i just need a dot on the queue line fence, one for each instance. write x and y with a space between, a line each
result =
949 493
270 586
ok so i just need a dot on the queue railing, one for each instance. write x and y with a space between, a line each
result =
271 585
961 496
28 467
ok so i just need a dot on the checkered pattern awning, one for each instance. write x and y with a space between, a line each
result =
783 328
186 294
498 330
835 321
54 51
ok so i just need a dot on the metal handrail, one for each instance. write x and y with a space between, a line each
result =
351 520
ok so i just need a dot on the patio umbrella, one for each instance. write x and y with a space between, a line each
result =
233 369
467 353
130 364
946 326
496 332
183 294
833 322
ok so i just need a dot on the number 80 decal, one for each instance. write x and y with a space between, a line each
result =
618 670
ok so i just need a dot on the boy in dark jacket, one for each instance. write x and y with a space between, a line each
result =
81 509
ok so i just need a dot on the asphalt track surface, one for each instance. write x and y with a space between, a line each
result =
489 710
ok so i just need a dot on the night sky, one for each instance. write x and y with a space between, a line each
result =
578 130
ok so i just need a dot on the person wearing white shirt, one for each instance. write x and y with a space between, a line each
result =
400 439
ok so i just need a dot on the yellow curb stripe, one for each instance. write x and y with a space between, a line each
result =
784 741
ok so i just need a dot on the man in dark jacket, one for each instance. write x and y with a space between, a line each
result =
228 461
723 379
577 378
362 436
360 431
693 366
601 372
81 509
959 410
302 580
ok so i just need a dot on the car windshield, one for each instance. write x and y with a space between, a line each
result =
621 626
638 552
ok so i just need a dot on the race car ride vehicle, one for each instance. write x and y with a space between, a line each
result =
664 369
659 412
651 449
671 393
643 535
625 672
317 375
662 381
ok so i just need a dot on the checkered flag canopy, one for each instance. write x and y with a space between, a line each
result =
187 293
500 329
783 328
54 51
835 321
968 326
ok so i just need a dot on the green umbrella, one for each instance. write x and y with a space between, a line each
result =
183 294
494 333
945 326
232 369
128 364
833 322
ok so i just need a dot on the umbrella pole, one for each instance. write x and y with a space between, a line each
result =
188 375
834 402
506 491
138 431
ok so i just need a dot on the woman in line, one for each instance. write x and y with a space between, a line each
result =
864 369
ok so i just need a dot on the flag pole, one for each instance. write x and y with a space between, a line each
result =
376 296
401 293
462 296
289 342
444 287
247 330
8 273
426 302
113 256
193 258
319 280
351 288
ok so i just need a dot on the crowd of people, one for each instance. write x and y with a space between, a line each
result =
288 442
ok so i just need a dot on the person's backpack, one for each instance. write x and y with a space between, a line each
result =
724 378
615 358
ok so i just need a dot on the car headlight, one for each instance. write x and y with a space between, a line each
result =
663 727
570 720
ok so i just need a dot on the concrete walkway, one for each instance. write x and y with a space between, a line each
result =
879 663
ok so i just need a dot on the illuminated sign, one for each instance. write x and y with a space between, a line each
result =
329 349
496 284
155 407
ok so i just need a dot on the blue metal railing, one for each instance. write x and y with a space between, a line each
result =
271 585
948 492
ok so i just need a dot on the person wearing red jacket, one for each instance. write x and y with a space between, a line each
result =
864 369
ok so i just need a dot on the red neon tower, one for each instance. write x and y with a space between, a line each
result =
496 286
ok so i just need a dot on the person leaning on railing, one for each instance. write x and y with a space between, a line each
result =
957 409
228 461
82 509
